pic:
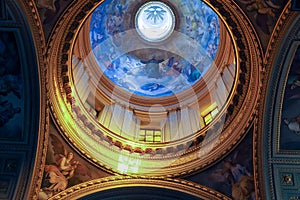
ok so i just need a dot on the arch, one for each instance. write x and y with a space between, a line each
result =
23 106
276 166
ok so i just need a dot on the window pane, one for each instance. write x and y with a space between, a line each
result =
214 112
157 139
149 138
142 132
142 138
149 132
208 118
157 133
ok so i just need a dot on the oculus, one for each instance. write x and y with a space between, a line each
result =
155 21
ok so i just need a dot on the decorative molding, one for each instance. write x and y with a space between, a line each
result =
30 11
287 179
11 166
277 34
103 184
266 139
294 198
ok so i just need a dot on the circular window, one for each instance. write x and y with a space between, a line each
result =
155 21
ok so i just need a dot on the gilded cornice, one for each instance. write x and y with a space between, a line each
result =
94 186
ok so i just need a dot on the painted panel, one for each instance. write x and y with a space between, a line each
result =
290 119
263 15
50 11
11 164
64 168
11 88
233 176
287 181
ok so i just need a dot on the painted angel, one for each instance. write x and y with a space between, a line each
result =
63 167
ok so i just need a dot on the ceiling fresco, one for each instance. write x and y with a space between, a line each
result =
290 124
233 176
19 113
264 15
64 168
162 71
260 164
11 87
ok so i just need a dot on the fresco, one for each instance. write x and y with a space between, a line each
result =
49 11
154 76
296 6
290 125
233 176
264 15
11 88
64 168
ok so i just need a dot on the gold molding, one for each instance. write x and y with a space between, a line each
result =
114 182
32 17
262 138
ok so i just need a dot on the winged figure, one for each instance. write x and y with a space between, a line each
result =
61 168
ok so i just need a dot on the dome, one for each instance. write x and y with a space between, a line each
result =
150 81
146 53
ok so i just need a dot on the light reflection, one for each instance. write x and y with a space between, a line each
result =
155 21
128 165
